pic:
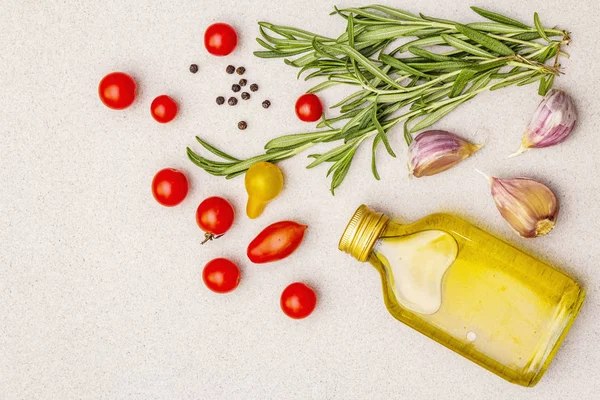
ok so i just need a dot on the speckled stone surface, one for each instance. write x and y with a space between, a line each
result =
100 289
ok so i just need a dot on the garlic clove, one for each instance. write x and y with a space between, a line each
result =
528 206
435 151
551 124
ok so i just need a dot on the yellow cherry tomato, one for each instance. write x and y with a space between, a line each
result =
264 181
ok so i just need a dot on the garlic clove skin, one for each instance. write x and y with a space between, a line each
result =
528 206
435 151
552 123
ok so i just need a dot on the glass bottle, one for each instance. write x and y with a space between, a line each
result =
466 289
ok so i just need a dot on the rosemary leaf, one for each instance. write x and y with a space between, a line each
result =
331 153
515 79
216 151
364 13
485 40
381 133
304 60
296 139
388 32
352 53
394 62
442 65
349 98
461 81
327 122
526 36
276 54
341 171
358 118
545 85
495 27
417 51
466 47
533 79
395 12
492 16
322 86
539 27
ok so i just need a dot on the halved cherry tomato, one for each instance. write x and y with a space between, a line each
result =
117 90
169 187
298 300
309 107
163 109
221 275
214 216
220 39
276 241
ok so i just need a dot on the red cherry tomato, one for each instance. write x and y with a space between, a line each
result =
298 300
169 187
221 275
309 107
117 90
163 109
276 241
214 216
220 39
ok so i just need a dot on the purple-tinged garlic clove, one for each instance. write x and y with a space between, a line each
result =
528 206
552 123
432 152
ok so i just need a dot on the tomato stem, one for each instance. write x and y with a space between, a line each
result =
210 236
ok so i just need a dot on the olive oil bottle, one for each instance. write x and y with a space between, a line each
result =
466 289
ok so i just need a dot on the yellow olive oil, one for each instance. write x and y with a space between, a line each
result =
468 290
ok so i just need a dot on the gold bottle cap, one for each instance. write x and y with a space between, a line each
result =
363 230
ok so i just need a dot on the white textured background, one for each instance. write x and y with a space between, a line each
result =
100 288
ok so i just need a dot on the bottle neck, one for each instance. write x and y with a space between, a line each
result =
362 232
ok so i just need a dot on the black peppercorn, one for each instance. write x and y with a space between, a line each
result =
240 70
235 87
232 101
230 69
254 87
242 125
245 95
243 82
266 104
194 68
220 100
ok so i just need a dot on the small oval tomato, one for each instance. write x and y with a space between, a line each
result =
276 241
117 90
220 39
298 300
309 107
163 109
169 187
214 216
221 275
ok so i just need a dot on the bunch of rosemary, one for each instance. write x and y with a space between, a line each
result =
410 84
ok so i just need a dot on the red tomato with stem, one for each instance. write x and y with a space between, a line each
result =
298 300
276 242
214 216
309 107
220 39
169 187
163 109
221 275
117 90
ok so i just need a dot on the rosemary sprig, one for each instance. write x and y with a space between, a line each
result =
428 85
